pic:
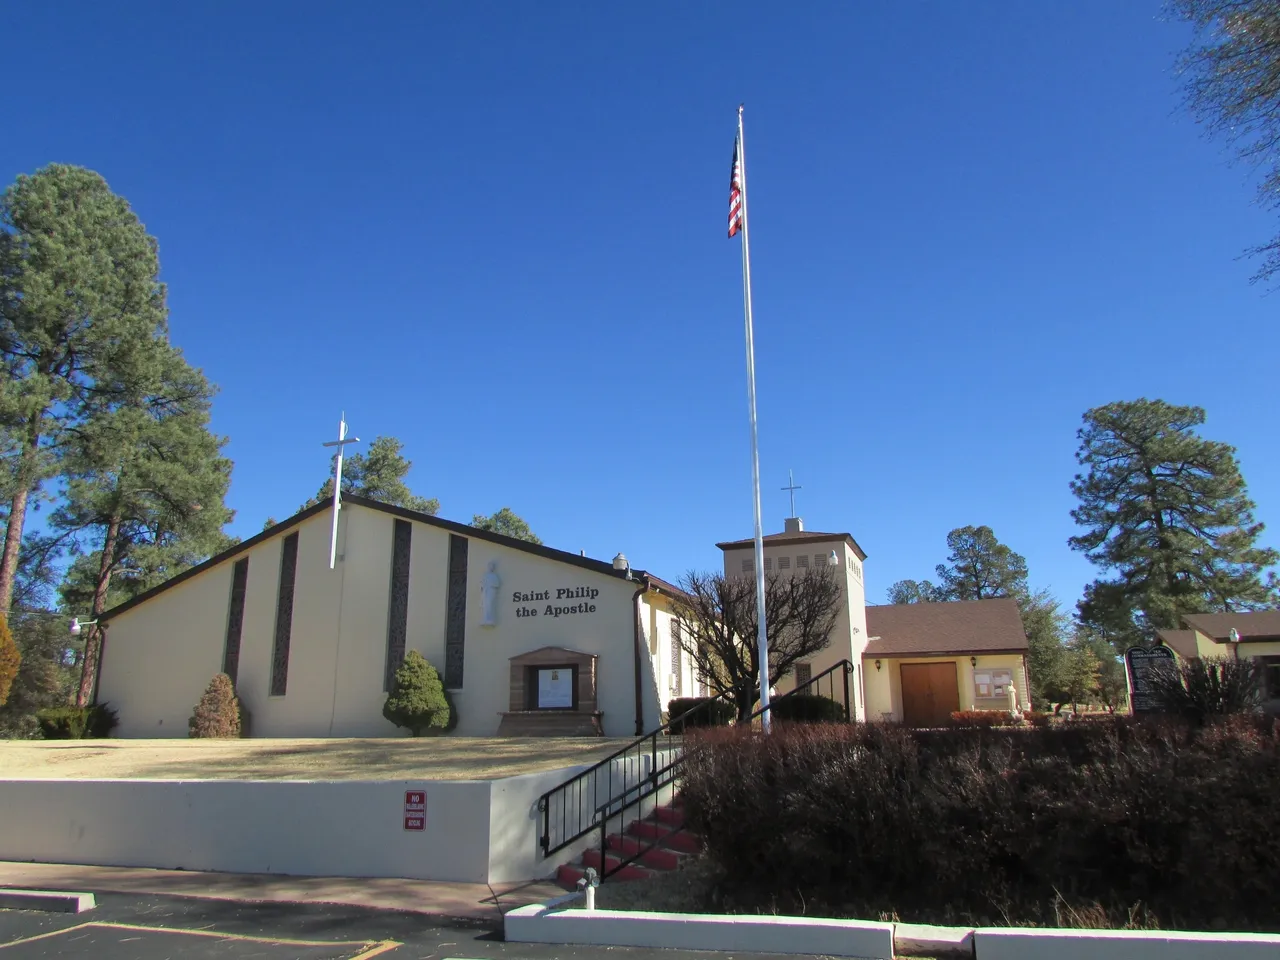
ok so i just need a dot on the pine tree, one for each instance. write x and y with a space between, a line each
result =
507 523
217 715
146 479
379 475
79 297
1167 512
981 567
10 659
418 701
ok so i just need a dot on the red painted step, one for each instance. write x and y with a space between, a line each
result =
656 857
591 858
669 815
648 830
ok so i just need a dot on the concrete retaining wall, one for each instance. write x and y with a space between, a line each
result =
476 830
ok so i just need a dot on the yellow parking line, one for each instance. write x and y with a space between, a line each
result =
372 947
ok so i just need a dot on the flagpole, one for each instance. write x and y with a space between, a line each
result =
762 642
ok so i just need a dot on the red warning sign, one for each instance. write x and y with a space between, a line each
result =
415 810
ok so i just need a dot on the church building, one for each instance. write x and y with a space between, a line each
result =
528 640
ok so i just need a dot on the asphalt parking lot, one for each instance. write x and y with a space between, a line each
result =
131 927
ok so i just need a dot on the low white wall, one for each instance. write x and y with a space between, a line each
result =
306 828
1122 945
539 923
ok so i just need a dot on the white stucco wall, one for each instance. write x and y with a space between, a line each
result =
335 828
477 831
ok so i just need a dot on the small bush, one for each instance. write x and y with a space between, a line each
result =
418 701
807 708
1036 718
77 723
217 715
982 718
699 712
1209 686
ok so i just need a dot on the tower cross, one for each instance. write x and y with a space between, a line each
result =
341 442
792 486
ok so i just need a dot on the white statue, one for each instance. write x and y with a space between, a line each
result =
489 587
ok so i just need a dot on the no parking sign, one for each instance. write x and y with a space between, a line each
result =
415 810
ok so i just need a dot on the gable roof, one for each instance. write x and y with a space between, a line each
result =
955 627
1181 642
1253 625
804 536
351 499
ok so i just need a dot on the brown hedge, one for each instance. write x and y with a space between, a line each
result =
996 825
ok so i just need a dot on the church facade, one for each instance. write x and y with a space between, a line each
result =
528 640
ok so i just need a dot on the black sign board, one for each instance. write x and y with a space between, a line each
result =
1140 663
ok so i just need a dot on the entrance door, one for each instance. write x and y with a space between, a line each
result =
930 694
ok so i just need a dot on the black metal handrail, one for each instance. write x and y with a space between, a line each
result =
577 799
589 800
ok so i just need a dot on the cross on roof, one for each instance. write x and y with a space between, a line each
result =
792 486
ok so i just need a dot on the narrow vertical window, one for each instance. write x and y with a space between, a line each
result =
398 604
284 616
455 633
235 618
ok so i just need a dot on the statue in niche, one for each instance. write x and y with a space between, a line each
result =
489 587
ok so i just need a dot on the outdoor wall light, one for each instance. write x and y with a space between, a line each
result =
77 625
833 560
877 664
973 661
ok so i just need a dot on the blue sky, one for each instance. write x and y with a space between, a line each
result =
497 231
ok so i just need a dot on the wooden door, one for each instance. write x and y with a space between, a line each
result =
930 693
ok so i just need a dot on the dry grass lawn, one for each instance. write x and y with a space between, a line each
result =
443 758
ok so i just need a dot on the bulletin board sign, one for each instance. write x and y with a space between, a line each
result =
556 688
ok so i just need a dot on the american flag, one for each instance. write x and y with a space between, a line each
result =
735 192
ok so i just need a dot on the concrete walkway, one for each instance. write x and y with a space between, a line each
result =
475 902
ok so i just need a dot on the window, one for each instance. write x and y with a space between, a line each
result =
819 560
784 563
802 561
1271 677
768 564
804 673
748 565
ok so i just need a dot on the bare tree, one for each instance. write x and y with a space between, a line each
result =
1232 73
717 617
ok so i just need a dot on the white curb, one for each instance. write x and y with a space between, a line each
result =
52 900
927 940
1123 945
686 931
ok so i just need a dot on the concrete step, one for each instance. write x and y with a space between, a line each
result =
648 830
657 858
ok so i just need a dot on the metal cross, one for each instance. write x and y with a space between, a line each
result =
341 442
793 487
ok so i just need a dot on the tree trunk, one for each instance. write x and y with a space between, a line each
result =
17 518
93 640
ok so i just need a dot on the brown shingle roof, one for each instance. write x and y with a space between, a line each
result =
805 536
1181 642
920 629
1256 625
